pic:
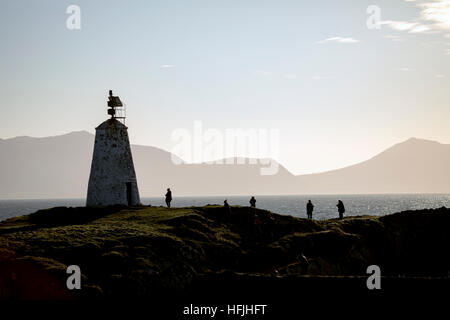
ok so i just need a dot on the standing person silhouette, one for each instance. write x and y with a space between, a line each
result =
309 209
227 208
341 209
168 197
252 202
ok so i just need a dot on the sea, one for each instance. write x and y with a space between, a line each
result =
295 205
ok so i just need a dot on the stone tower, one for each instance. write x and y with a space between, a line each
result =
113 179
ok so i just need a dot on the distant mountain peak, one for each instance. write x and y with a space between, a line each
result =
414 139
76 134
81 133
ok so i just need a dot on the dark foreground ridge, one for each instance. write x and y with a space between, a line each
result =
205 254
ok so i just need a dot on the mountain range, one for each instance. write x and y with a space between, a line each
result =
58 167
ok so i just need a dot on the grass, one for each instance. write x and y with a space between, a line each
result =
138 251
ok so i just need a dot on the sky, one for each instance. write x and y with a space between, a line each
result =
336 91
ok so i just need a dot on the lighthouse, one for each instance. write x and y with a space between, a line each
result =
112 180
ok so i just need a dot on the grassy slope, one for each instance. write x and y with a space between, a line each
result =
143 250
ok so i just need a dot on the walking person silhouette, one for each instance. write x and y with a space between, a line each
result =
168 197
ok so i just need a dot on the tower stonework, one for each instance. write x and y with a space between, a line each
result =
112 179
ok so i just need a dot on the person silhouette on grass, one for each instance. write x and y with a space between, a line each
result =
252 202
168 197
227 208
341 209
309 209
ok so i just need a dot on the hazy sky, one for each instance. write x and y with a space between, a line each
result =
337 91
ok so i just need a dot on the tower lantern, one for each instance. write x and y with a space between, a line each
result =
113 103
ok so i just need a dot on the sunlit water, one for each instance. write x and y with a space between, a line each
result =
325 205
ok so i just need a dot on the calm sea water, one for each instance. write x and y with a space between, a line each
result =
325 205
